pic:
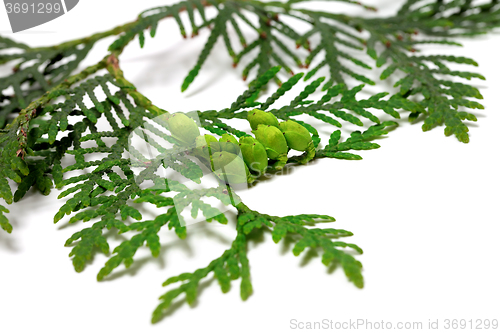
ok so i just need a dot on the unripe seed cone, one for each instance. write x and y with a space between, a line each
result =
254 154
230 147
230 168
183 128
202 150
204 139
258 117
229 143
297 136
214 148
273 140
228 138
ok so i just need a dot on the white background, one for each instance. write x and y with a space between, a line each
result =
422 207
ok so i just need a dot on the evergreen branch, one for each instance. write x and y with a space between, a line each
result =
43 68
442 97
150 18
357 141
233 263
110 190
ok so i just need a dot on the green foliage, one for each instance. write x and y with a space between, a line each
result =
233 264
321 238
430 76
341 40
38 70
347 109
266 42
4 222
356 141
74 130
329 39
150 18
108 189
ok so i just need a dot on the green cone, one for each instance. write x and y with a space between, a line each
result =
254 154
274 142
257 117
228 138
229 143
207 138
203 148
183 128
298 138
230 168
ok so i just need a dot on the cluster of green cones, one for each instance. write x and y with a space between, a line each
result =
243 161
